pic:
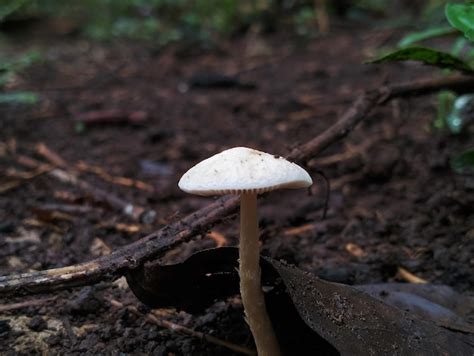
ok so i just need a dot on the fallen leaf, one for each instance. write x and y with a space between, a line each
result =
438 304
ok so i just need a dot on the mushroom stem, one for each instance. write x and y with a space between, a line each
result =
250 285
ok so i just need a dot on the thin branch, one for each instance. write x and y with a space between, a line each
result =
63 173
130 256
367 101
26 304
118 262
163 323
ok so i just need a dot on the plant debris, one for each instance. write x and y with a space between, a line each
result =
350 320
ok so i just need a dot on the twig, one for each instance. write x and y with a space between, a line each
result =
410 277
118 262
14 173
153 319
340 182
367 101
66 175
49 213
22 177
134 211
350 152
84 167
12 184
26 304
51 156
130 256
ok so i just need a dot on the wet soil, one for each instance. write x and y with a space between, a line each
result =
394 200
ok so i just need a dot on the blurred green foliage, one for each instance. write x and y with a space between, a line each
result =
10 6
461 16
21 97
446 100
9 68
303 21
458 23
163 21
419 36
454 112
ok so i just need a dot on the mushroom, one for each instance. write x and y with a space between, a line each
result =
247 172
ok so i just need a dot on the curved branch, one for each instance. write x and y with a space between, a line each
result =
130 256
119 261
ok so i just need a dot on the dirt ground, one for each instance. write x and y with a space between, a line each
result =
394 199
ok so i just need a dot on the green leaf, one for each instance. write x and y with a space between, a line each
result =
427 56
464 162
458 46
10 6
414 37
445 105
22 97
461 16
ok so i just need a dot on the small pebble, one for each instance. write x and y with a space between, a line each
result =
37 323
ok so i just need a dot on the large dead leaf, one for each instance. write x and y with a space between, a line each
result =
310 315
358 324
192 285
436 303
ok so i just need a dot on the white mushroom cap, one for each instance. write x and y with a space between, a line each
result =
243 170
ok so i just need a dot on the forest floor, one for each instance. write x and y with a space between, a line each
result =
395 203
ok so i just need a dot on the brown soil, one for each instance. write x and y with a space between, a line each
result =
394 200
